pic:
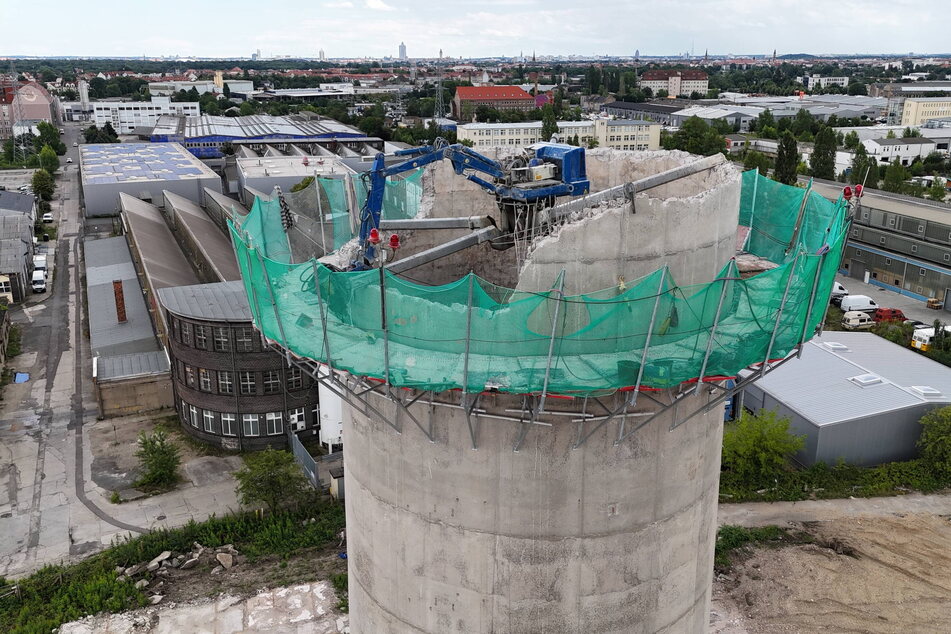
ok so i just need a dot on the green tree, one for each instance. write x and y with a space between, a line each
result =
935 440
787 159
910 133
758 447
895 176
802 123
246 108
937 191
858 89
662 93
549 123
864 168
49 135
822 161
159 458
890 135
43 184
851 140
696 137
270 477
766 122
48 159
757 160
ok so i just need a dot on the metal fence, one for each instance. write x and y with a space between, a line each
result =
304 459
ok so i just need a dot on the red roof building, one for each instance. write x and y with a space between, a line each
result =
468 98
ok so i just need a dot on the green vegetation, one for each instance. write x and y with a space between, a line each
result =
822 161
698 137
757 160
55 595
787 159
107 134
732 538
757 456
340 585
757 448
43 184
549 123
160 458
48 159
270 477
14 341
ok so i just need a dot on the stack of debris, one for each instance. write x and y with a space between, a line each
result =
153 574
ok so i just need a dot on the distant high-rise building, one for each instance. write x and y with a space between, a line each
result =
440 53
402 50
637 54
322 56
84 94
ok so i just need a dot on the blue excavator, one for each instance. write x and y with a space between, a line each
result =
523 185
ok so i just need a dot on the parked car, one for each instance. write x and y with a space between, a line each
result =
69 160
75 144
856 320
858 302
839 291
888 314
47 217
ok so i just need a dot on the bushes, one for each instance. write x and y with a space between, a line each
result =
757 448
935 441
160 459
730 538
271 477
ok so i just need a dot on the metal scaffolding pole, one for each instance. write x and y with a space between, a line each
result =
473 429
323 318
779 313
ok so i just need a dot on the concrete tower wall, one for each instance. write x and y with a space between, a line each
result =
598 539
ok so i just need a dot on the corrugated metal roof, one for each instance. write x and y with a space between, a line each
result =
109 259
163 260
224 301
212 242
13 201
16 243
127 366
818 385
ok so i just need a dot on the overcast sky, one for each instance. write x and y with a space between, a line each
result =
481 28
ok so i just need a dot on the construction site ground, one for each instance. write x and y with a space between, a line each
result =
878 574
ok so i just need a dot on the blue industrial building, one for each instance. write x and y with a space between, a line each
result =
205 135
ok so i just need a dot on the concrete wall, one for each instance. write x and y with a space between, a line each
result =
103 199
603 538
598 539
135 395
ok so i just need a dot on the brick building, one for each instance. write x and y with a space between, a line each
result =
230 390
468 98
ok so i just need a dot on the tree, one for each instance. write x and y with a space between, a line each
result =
757 160
787 159
696 137
864 169
890 135
159 457
935 440
758 447
226 91
246 108
43 184
851 140
49 135
910 133
937 191
765 121
48 159
895 176
549 123
822 161
662 93
858 89
271 477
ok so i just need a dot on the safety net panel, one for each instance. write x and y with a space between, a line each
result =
475 335
401 198
321 218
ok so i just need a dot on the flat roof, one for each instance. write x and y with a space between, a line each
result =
214 245
139 162
823 386
644 106
223 301
904 141
107 260
283 166
127 366
164 262
252 126
910 206
15 201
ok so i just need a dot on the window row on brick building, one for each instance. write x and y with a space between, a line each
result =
215 338
243 425
241 382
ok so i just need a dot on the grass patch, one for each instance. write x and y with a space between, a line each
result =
59 594
822 481
731 539
47 229
15 341
339 582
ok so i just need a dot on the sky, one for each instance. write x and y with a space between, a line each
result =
481 28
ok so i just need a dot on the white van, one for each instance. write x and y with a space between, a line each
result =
39 281
39 263
857 320
838 290
858 302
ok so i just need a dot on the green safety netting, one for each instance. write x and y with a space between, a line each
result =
401 197
475 335
323 217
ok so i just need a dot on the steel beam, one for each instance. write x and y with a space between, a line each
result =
476 237
468 222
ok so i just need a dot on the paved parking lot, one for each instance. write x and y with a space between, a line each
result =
913 308
12 179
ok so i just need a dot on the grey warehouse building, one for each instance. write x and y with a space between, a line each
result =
141 170
855 396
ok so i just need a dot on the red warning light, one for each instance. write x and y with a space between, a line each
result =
374 236
847 192
859 190
394 241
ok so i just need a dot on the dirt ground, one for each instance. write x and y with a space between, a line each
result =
882 575
114 443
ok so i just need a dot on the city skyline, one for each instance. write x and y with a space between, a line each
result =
498 28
